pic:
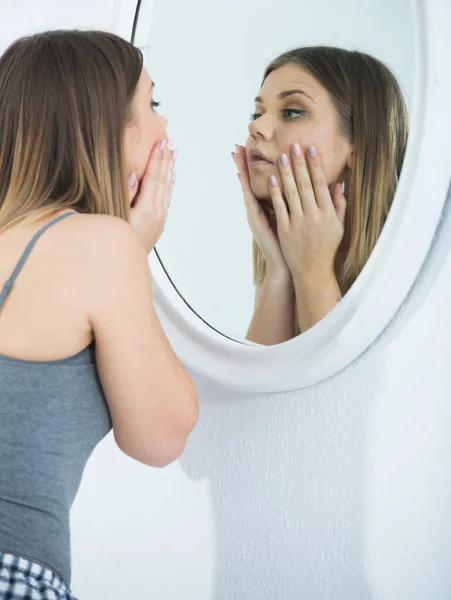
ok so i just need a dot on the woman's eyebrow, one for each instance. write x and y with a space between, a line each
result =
283 95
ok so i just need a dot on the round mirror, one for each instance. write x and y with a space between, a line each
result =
208 73
376 73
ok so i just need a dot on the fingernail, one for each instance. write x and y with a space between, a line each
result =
236 148
296 149
273 180
163 144
284 160
174 155
131 180
174 175
312 151
343 187
239 178
233 155
170 143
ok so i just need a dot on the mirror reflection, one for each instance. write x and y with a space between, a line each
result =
266 255
319 172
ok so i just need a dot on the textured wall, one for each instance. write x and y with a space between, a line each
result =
341 491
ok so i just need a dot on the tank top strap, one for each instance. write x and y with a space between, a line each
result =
10 282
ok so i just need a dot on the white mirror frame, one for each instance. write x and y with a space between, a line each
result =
390 273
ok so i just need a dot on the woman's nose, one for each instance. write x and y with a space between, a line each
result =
263 127
163 121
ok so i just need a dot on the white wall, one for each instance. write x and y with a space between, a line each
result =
208 58
23 17
341 491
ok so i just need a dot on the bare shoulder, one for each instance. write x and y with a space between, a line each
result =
104 245
101 234
106 256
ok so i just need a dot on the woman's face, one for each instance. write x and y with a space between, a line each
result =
292 106
147 128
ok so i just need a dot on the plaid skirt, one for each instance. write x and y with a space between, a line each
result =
22 579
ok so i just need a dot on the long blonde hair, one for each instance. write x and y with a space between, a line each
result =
372 114
64 104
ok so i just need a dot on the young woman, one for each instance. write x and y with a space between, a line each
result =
86 176
319 172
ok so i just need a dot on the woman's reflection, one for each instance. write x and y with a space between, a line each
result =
319 172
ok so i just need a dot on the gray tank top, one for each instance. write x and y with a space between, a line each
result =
52 415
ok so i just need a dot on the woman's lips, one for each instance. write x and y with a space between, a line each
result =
257 162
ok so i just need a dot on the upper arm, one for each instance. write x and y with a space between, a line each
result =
152 401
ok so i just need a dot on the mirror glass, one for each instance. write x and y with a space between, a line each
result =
208 61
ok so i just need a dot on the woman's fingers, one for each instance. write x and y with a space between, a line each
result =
278 202
149 211
302 178
318 180
164 179
339 201
290 188
243 157
151 205
256 212
239 157
253 209
150 179
170 179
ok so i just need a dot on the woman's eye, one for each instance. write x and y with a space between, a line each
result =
155 104
288 113
254 116
292 113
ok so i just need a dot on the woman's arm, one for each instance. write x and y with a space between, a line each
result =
152 400
310 228
273 318
274 312
311 306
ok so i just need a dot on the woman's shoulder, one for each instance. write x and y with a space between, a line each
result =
99 228
100 248
101 236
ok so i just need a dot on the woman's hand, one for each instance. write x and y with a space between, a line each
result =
149 208
310 220
264 232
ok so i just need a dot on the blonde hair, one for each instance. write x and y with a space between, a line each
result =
64 104
372 114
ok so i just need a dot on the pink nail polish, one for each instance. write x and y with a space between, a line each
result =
174 175
297 149
312 151
273 181
343 188
163 144
284 160
174 155
170 143
131 180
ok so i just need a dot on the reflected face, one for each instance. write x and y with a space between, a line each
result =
146 129
292 106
